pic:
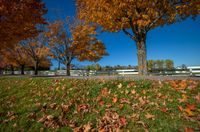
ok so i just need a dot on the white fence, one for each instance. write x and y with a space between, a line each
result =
194 70
191 71
127 72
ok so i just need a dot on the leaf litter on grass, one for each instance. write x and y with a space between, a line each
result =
104 105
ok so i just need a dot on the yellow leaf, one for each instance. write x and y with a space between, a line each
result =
119 86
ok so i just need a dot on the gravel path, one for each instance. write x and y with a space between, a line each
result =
161 78
133 77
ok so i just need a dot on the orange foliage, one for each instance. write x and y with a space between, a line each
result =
80 43
178 85
37 52
19 19
16 56
114 15
74 39
140 16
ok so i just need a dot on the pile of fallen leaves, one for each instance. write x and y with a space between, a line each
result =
99 105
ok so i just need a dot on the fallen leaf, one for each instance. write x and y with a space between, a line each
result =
104 92
115 99
180 108
159 95
189 112
15 125
127 92
133 91
143 124
119 86
197 97
121 106
142 101
131 84
101 102
149 116
42 119
82 107
182 85
164 110
32 116
187 129
87 127
65 108
143 91
50 117
57 88
135 116
52 106
124 100
183 99
123 121
191 107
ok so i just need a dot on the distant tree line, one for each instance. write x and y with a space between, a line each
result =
98 67
152 65
160 64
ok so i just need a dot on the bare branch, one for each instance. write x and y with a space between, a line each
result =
129 34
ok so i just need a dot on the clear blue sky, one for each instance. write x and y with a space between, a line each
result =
179 42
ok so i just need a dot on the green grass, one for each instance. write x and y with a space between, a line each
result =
40 104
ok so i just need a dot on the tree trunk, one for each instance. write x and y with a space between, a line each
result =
22 69
58 65
142 57
68 69
36 67
12 70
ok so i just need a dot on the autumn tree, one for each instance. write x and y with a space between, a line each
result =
169 64
151 64
78 41
18 20
16 57
96 67
136 18
2 63
8 60
160 64
38 52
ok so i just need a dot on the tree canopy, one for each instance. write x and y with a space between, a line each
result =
72 39
136 17
19 19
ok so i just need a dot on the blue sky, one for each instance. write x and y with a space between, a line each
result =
179 42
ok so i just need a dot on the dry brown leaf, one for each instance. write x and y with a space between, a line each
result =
180 108
135 116
164 109
187 129
124 100
197 97
149 116
87 127
133 91
104 92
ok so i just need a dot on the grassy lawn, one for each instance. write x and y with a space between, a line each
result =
40 104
